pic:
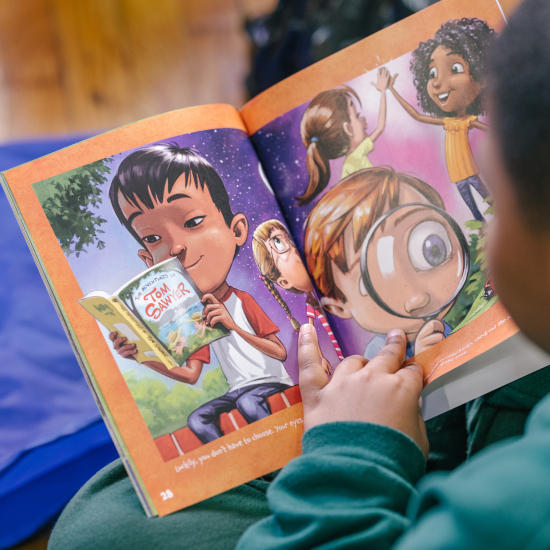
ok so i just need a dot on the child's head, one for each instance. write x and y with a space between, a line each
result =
335 231
448 69
517 167
279 263
329 123
176 205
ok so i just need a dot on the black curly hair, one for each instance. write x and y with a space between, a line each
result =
469 38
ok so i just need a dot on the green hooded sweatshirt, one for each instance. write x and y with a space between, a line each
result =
359 485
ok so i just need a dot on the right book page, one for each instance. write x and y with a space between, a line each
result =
372 156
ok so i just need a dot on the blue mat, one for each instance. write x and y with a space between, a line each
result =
52 438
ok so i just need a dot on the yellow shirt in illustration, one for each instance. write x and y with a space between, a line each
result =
460 161
358 159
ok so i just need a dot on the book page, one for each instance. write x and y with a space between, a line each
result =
372 156
109 316
166 300
188 186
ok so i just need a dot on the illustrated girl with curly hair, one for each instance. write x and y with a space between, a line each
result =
281 266
448 74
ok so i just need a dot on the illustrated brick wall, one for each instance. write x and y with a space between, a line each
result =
183 441
281 401
167 447
187 440
231 421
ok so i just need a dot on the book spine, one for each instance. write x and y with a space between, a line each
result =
164 357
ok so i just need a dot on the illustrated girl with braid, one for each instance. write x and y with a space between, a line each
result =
332 127
280 264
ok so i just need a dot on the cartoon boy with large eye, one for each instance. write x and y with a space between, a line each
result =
448 75
414 259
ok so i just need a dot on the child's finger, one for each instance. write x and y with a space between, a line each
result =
414 375
215 313
128 351
350 365
113 335
215 319
390 358
118 342
432 339
312 374
210 307
209 298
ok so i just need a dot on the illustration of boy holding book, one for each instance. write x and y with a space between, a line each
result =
175 204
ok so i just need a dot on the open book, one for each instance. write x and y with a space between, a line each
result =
160 312
347 196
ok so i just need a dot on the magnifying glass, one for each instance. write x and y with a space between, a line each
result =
414 261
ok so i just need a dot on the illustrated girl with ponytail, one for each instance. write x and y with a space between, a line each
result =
332 128
280 265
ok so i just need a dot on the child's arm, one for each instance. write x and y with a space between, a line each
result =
188 373
354 486
381 85
216 312
363 452
479 125
411 110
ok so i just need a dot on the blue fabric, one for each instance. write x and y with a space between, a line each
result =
43 480
43 394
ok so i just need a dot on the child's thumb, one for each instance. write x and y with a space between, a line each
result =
312 375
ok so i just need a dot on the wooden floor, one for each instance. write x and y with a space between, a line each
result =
77 65
73 65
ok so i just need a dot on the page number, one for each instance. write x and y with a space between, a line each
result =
166 494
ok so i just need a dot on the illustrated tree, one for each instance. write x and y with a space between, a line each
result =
166 411
470 302
70 202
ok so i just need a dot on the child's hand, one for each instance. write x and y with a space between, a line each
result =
215 312
392 81
383 80
125 350
429 335
380 392
327 367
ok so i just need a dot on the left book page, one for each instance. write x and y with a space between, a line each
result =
102 218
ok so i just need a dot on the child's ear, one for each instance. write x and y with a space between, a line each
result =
283 283
336 307
347 129
146 257
239 226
